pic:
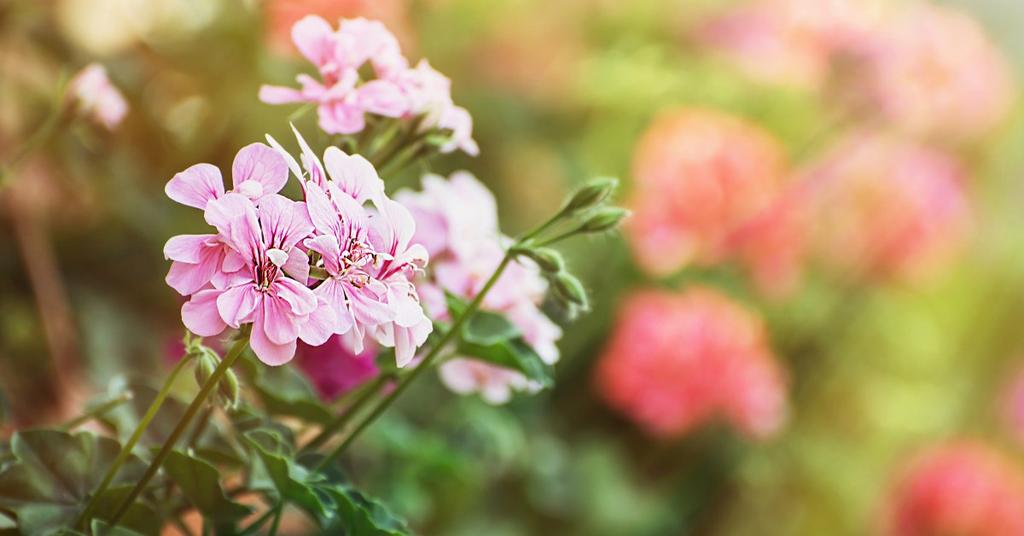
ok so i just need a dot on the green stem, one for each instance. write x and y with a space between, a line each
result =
197 403
126 451
277 520
301 111
424 365
543 227
255 525
98 411
560 237
346 415
40 136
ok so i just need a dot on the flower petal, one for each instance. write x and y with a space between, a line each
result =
200 314
196 186
261 163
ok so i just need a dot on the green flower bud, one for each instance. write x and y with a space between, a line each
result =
603 219
547 259
569 289
591 194
206 363
228 389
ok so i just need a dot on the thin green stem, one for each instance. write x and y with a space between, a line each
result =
277 520
258 523
543 227
197 403
40 136
126 451
435 351
97 412
346 415
560 237
301 111
182 526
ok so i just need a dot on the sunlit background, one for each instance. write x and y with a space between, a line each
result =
812 323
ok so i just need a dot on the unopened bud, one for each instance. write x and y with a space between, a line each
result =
591 194
569 289
206 363
603 219
547 259
228 388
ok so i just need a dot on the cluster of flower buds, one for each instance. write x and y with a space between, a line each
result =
586 212
206 362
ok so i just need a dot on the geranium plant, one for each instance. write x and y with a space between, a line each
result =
425 279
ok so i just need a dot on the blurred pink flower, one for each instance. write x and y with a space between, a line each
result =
1012 405
888 207
790 42
457 222
678 360
699 175
283 14
97 97
334 369
771 245
933 71
964 488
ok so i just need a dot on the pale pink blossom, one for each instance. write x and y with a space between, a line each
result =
889 208
457 223
257 172
260 292
933 71
361 48
678 360
97 97
963 487
699 175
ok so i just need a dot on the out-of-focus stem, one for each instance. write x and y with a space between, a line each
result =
346 415
211 383
98 411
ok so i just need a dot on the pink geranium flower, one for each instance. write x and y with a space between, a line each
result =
964 487
279 307
334 369
257 172
362 71
888 208
677 361
97 97
699 176
457 224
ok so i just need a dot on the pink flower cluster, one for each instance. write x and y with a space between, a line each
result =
362 71
457 222
676 361
895 59
254 268
887 207
710 187
97 97
964 487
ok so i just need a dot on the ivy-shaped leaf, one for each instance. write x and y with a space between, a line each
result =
281 473
200 483
490 337
357 515
124 419
55 472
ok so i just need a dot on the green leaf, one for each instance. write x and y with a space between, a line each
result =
49 484
284 391
358 515
200 483
101 527
281 473
490 337
124 419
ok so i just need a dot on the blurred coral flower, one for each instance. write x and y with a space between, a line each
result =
965 488
888 207
699 175
97 97
678 360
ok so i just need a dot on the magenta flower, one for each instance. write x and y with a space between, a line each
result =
334 369
97 97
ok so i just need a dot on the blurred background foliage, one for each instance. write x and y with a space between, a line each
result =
559 91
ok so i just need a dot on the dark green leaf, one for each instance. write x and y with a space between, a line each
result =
282 474
357 515
49 484
125 418
200 483
284 391
101 527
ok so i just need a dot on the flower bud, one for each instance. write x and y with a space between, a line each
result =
592 194
603 219
569 289
547 259
228 389
206 364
